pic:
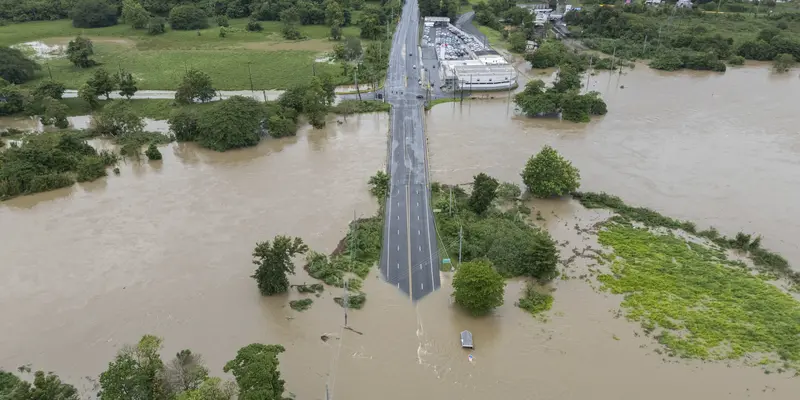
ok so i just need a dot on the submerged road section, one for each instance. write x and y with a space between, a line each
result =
409 259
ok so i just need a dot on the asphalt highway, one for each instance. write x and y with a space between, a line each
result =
409 258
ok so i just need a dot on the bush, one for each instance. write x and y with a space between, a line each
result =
232 123
90 168
736 60
533 301
222 21
156 26
548 174
784 62
183 123
196 85
93 14
15 100
301 305
134 14
187 17
15 67
79 50
254 26
152 152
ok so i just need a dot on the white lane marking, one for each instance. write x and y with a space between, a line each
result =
420 248
398 247
417 217
398 204
398 265
417 204
422 286
398 231
418 232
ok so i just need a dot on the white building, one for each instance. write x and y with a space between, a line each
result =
478 76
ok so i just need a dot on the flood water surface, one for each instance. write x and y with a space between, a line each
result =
165 249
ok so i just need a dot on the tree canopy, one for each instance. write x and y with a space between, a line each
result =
484 190
15 67
231 123
256 371
548 174
93 14
188 17
274 261
79 50
195 85
478 288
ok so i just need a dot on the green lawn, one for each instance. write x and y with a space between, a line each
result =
159 61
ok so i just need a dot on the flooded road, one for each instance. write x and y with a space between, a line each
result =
165 249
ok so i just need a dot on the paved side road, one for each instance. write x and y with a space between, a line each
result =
409 258
260 95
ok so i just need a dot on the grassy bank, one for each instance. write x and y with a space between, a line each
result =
346 107
147 108
696 302
763 259
158 62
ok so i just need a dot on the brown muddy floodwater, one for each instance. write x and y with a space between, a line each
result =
165 249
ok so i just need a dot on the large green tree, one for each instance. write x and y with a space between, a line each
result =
478 287
135 374
274 261
134 14
15 67
548 174
232 123
183 123
126 83
484 190
195 85
117 118
188 17
211 389
256 371
79 50
102 82
93 14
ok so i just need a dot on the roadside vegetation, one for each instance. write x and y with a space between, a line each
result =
241 45
495 235
138 371
685 290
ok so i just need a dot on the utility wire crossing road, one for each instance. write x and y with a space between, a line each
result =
409 259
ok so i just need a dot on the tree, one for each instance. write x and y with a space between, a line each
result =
187 17
93 14
256 371
185 372
117 118
784 62
183 123
49 89
334 14
274 261
45 387
79 50
548 174
15 67
232 123
126 84
370 23
548 55
134 14
102 82
379 185
222 21
281 126
87 94
253 25
156 26
291 19
54 113
484 190
211 389
196 85
336 32
568 79
518 42
316 103
152 152
352 48
478 287
135 373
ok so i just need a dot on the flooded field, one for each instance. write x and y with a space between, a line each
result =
165 249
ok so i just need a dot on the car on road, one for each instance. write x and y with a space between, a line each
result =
410 55
415 66
419 96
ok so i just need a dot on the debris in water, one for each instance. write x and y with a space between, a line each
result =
470 358
324 338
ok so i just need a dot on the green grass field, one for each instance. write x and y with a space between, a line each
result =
158 62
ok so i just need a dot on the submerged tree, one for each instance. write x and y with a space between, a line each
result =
45 387
548 174
274 261
379 185
15 67
135 373
117 118
185 372
256 371
152 152
231 124
478 287
783 62
484 190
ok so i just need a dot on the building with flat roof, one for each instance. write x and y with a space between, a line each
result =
477 75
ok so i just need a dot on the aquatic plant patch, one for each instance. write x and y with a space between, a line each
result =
697 303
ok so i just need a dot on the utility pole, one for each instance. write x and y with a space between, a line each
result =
460 239
250 73
49 71
355 78
644 47
451 201
589 73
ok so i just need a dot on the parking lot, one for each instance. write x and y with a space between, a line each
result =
457 43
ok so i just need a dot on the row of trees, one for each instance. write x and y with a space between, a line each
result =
634 31
138 372
563 98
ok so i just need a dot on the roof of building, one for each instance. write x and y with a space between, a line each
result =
486 52
466 339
